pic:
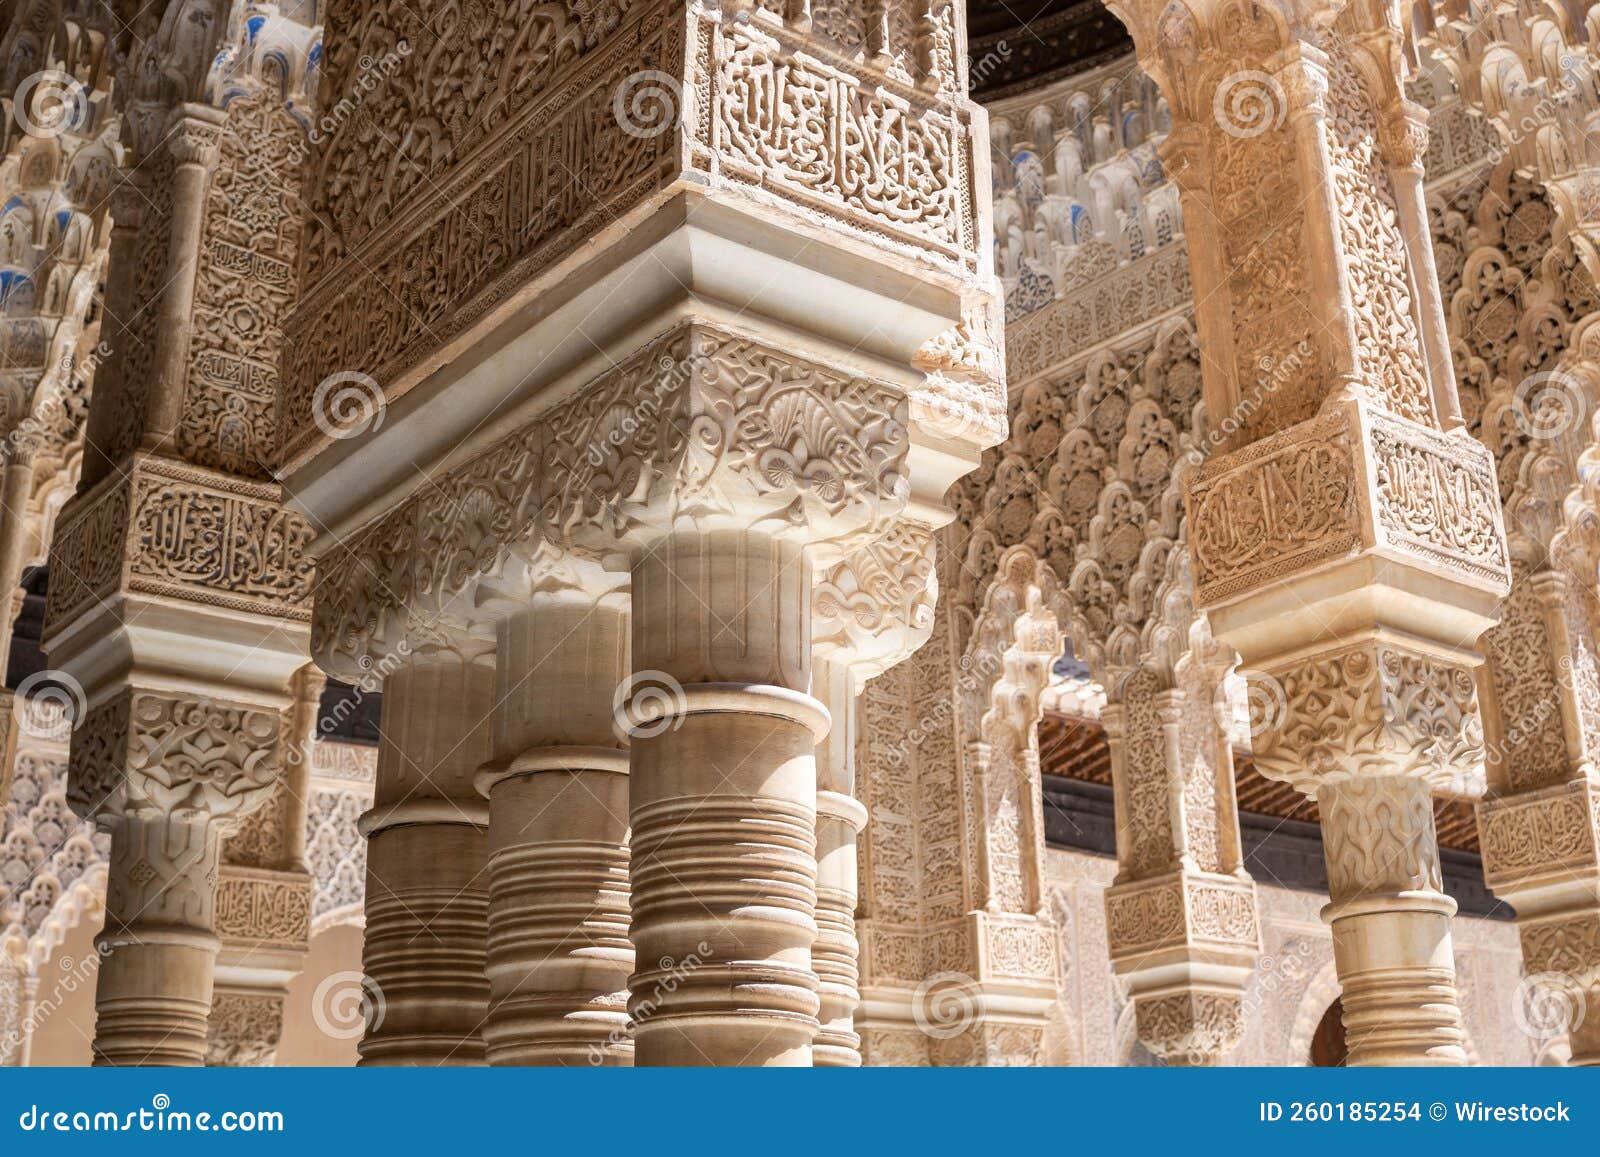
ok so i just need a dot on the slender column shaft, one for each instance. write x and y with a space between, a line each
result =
558 950
723 803
840 819
1391 923
427 881
16 489
166 397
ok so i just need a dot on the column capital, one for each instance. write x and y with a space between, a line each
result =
194 134
701 427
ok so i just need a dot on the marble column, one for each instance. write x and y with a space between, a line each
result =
427 849
1346 538
841 818
559 955
723 802
182 596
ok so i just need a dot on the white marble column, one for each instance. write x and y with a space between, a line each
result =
723 802
427 849
559 953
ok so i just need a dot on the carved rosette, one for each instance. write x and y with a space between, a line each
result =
700 426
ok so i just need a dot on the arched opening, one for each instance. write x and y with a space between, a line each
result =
1328 1050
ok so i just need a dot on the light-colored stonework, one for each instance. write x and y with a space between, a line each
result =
704 422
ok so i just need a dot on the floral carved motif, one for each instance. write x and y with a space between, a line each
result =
1375 708
699 424
244 1029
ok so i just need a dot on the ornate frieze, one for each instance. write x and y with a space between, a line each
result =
660 100
1152 287
1181 910
699 424
1349 481
176 531
263 908
1532 836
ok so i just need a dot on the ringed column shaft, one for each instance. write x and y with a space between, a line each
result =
427 877
559 956
723 802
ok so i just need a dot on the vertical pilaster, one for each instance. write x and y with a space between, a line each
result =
1348 540
1181 915
1539 820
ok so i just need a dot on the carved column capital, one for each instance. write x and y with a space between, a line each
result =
1405 136
1378 707
700 425
194 135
